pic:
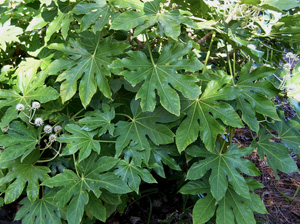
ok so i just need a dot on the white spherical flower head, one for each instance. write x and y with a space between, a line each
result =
38 121
35 105
291 88
297 97
287 67
287 77
290 55
20 107
52 138
48 129
57 128
251 46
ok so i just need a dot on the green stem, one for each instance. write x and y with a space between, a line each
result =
125 115
233 61
229 64
149 49
105 141
48 160
75 164
74 116
209 50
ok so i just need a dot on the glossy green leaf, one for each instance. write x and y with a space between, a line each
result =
99 120
195 187
288 132
62 21
277 154
96 12
204 209
41 211
202 115
79 140
96 208
163 155
133 175
236 209
169 22
224 168
160 75
19 141
255 95
134 4
139 126
88 61
75 188
23 175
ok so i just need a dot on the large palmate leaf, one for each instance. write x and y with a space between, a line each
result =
277 154
133 175
160 75
203 112
75 187
236 209
41 211
87 61
288 132
95 12
99 120
19 141
79 140
168 21
30 86
21 174
225 168
232 207
255 94
139 127
8 34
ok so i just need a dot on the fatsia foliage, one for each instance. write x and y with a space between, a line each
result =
104 101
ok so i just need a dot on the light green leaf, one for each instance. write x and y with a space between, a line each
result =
30 87
134 4
280 4
204 209
133 175
160 75
142 125
8 34
225 169
277 154
88 61
21 174
62 21
41 211
202 115
79 140
19 141
36 23
96 13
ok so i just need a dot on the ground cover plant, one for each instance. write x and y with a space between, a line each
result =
100 98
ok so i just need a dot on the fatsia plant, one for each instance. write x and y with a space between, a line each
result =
102 98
